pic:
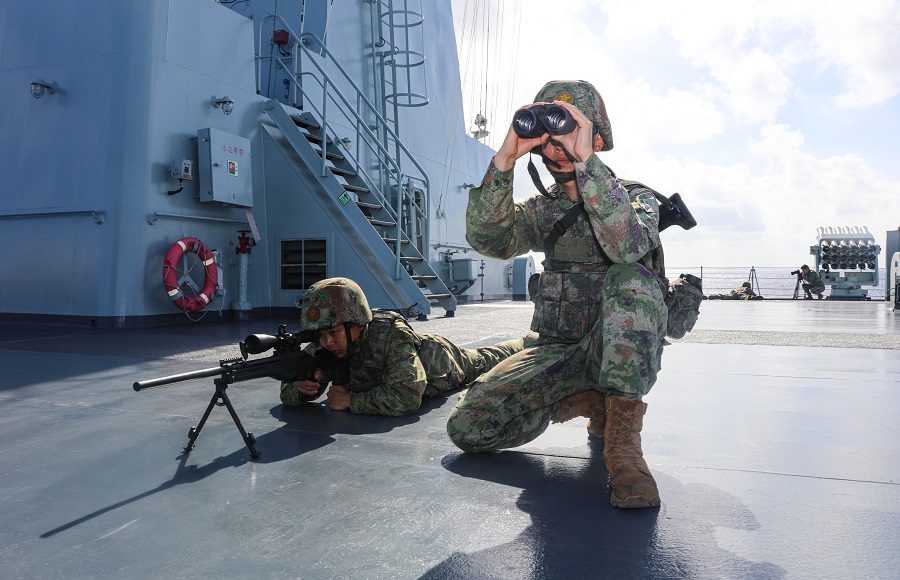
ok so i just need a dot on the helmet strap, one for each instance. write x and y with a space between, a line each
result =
535 176
352 345
563 177
552 166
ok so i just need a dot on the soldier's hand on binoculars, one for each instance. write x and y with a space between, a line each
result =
580 142
514 147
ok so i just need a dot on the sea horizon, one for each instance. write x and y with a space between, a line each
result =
774 282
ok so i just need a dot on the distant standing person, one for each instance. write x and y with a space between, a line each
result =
812 283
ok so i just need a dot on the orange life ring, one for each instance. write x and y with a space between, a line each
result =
171 274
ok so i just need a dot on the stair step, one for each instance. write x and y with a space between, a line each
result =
355 188
343 172
393 241
332 155
305 123
365 205
411 259
436 297
316 138
376 222
424 277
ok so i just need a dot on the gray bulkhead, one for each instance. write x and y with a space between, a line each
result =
87 185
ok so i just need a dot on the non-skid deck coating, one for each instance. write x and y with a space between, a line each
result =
775 458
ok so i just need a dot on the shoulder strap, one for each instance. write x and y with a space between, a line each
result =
630 185
561 225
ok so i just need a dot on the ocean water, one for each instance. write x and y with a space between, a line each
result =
771 282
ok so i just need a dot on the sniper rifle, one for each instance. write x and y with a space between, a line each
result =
289 362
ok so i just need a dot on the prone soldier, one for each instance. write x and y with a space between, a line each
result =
389 367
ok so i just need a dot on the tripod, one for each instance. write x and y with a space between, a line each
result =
753 281
797 286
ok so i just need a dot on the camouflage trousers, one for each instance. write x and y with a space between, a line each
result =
621 356
448 366
817 288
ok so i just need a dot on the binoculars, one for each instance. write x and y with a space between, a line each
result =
533 122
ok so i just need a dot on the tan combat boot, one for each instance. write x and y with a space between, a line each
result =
590 404
632 483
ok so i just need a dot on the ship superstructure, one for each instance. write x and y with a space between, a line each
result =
296 143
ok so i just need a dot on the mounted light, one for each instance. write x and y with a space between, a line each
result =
224 103
38 87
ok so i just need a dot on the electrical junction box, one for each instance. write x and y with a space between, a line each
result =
182 169
463 270
224 168
280 37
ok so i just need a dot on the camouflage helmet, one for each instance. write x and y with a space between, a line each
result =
334 301
583 95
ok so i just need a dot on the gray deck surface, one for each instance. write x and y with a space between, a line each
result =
773 433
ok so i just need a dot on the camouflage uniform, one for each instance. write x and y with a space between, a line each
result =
599 303
813 283
391 366
744 292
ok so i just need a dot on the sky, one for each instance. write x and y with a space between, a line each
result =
771 118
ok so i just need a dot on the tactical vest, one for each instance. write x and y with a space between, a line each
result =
368 363
585 248
566 294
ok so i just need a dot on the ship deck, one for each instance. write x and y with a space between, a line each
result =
772 433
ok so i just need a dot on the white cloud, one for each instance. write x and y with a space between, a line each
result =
748 46
686 81
767 212
863 44
676 117
756 86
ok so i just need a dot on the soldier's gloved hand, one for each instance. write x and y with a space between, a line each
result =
339 398
310 388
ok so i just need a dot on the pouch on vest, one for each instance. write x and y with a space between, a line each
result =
566 305
683 302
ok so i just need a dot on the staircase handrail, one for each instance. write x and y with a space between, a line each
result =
301 41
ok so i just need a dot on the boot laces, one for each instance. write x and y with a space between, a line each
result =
622 428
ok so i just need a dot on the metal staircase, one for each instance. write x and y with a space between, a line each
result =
388 209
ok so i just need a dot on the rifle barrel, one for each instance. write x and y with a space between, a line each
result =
151 383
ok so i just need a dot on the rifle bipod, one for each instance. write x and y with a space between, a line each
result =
220 398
